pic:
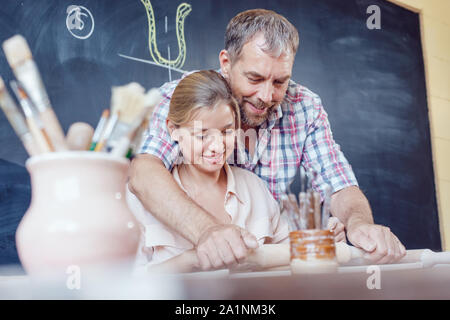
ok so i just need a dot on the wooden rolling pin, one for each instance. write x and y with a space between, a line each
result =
275 255
349 255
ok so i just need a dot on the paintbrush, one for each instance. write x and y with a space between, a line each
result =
17 120
121 147
34 122
99 129
106 134
19 56
129 100
151 99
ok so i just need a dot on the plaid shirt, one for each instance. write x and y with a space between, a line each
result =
297 132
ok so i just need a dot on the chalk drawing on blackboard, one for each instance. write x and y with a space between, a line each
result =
74 21
183 11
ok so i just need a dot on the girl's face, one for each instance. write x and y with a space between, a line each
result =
208 140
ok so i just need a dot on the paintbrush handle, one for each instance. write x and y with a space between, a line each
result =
121 147
317 211
29 144
39 135
53 129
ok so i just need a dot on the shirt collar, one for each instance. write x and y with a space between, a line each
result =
231 182
176 176
273 117
279 112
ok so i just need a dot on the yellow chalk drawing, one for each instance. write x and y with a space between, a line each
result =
182 12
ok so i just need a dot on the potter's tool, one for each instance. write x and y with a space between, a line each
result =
317 210
303 212
19 56
326 207
291 216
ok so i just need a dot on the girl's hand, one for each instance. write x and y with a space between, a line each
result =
335 225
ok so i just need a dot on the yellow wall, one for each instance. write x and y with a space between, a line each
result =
435 29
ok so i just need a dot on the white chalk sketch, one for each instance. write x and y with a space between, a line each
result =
175 64
75 22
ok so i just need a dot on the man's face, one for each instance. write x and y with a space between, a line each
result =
258 80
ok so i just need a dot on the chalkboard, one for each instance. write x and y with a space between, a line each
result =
371 82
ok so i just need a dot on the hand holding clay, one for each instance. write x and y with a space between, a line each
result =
224 245
379 243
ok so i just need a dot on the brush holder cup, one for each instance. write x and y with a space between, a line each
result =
312 251
78 214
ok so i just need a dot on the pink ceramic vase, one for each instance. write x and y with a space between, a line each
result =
78 213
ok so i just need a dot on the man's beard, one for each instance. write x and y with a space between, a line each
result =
254 120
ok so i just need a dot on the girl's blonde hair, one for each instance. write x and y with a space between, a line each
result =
202 89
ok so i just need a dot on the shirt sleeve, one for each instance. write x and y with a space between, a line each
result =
156 139
323 155
158 243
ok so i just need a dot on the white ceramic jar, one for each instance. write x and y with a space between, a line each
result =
78 214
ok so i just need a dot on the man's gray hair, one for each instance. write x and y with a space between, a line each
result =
280 35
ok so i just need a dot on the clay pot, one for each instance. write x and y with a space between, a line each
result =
78 214
313 251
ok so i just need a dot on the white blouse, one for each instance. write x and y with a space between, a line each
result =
247 200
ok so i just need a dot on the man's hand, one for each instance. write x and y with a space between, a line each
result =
380 244
352 208
223 246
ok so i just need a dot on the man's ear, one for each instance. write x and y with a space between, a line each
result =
225 63
172 130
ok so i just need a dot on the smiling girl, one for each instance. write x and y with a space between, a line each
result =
203 120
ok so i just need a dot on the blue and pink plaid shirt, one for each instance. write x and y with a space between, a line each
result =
296 133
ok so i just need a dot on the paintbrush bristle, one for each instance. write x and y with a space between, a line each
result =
129 100
16 50
152 98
